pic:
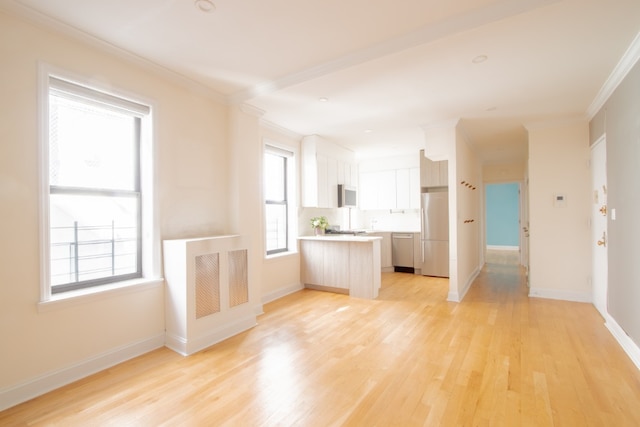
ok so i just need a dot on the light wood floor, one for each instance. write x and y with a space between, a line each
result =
409 358
501 256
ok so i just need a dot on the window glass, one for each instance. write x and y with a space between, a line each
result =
275 170
276 189
276 218
94 201
92 237
91 147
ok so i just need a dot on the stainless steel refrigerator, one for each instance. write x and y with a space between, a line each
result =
435 233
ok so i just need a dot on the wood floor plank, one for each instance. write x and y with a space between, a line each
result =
408 358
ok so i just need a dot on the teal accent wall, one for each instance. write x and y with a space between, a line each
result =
503 214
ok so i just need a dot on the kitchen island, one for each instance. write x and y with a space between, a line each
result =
342 263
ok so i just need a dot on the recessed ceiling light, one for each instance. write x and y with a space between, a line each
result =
323 99
206 6
480 58
368 131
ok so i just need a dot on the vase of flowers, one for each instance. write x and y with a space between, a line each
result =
319 224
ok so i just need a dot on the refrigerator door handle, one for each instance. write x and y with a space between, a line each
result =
422 235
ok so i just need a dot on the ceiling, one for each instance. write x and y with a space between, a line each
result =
373 75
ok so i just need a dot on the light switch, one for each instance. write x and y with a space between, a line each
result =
613 214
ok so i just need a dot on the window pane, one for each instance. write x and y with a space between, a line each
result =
91 147
276 226
274 177
92 237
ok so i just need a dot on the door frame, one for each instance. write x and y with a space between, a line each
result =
599 295
522 217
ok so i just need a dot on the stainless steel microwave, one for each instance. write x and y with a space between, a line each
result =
347 196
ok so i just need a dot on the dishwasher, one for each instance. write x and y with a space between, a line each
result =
402 252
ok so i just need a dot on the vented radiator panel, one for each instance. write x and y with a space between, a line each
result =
238 278
207 285
209 294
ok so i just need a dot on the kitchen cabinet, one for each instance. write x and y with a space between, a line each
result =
385 250
344 264
390 189
403 190
368 195
433 174
348 174
324 166
327 182
408 188
312 262
414 188
325 263
322 190
336 265
378 190
386 189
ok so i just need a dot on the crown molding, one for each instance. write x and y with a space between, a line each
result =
46 22
624 66
251 110
281 130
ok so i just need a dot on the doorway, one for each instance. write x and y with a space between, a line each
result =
502 204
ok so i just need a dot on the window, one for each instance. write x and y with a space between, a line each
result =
94 207
278 167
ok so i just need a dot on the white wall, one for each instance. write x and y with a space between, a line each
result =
440 141
468 219
508 172
245 201
43 348
619 120
560 247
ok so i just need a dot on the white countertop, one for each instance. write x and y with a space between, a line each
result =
342 238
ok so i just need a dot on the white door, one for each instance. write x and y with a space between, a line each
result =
599 215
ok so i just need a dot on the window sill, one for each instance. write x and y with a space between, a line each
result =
97 293
281 255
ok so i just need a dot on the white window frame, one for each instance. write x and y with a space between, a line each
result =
149 232
291 178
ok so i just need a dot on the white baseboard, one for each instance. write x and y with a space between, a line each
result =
453 296
459 296
467 285
52 380
282 292
573 296
187 347
627 344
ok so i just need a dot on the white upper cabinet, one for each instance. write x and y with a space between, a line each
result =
323 182
324 166
414 188
390 184
403 189
378 190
